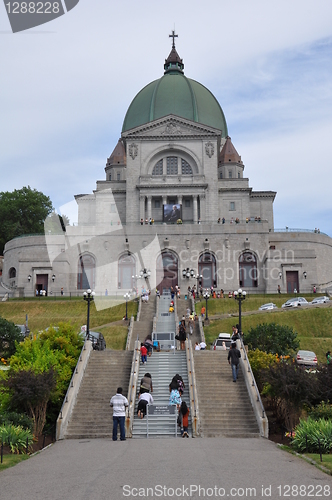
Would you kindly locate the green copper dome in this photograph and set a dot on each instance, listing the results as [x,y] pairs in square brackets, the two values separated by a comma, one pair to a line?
[178,95]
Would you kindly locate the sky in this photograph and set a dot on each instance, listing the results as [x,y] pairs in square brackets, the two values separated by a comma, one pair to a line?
[65,87]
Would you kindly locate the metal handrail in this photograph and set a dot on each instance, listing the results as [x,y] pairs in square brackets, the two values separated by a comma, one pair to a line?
[130,331]
[132,388]
[253,381]
[192,388]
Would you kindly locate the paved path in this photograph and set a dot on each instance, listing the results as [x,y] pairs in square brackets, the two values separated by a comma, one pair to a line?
[99,469]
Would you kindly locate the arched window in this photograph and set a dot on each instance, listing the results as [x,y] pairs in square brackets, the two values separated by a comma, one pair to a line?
[12,273]
[186,168]
[207,269]
[167,272]
[248,270]
[126,270]
[158,168]
[172,165]
[86,272]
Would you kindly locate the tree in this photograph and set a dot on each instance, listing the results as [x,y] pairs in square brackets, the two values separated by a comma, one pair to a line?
[22,211]
[273,339]
[290,387]
[9,335]
[32,391]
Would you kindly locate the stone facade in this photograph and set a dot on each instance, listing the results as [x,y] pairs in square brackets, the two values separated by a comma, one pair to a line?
[225,237]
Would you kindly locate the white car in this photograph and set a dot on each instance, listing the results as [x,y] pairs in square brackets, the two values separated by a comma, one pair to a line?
[268,307]
[295,302]
[320,300]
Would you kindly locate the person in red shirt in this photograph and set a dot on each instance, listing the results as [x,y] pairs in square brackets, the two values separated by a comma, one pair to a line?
[184,414]
[144,353]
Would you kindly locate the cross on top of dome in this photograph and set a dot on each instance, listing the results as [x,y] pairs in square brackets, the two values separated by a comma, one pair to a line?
[173,64]
[173,35]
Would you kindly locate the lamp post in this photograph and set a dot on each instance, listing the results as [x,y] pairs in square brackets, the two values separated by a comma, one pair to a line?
[89,297]
[126,296]
[206,296]
[240,295]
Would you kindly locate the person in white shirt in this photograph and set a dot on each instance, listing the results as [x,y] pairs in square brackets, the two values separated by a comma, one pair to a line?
[119,404]
[202,345]
[143,400]
[197,347]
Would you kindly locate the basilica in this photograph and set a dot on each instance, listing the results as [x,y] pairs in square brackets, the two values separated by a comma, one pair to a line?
[174,207]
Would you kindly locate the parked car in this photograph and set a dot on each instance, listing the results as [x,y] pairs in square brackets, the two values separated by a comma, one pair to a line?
[295,302]
[306,358]
[218,343]
[320,300]
[24,330]
[268,307]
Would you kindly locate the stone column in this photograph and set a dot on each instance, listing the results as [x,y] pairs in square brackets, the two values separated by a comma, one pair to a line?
[149,206]
[195,209]
[142,207]
[202,202]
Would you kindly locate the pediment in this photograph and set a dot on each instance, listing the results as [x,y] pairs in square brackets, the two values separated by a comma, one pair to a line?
[171,127]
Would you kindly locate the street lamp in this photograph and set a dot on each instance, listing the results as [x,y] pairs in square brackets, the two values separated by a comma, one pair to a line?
[240,295]
[89,297]
[145,273]
[187,273]
[206,296]
[126,296]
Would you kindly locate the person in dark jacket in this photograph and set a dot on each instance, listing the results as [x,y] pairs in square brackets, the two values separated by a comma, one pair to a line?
[233,359]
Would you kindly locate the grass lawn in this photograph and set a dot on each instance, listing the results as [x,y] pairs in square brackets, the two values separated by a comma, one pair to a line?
[115,336]
[312,324]
[10,460]
[42,314]
[327,460]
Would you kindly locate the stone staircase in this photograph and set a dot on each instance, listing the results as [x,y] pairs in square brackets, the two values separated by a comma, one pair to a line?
[144,326]
[224,406]
[92,416]
[162,366]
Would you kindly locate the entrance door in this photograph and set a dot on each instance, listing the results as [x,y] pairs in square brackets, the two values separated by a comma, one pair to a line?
[292,281]
[41,283]
[167,272]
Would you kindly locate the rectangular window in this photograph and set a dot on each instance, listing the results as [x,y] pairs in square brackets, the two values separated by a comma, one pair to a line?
[220,174]
[187,203]
[238,175]
[172,165]
[232,205]
[110,177]
[118,176]
[157,204]
[230,174]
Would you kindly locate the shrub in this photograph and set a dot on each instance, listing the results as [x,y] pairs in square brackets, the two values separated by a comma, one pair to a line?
[9,335]
[290,388]
[321,411]
[16,419]
[16,437]
[273,338]
[259,361]
[309,431]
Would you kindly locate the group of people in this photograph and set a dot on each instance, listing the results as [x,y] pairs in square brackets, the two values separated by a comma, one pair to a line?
[176,389]
[149,221]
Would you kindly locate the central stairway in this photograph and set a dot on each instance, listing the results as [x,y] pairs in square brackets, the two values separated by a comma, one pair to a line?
[162,366]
